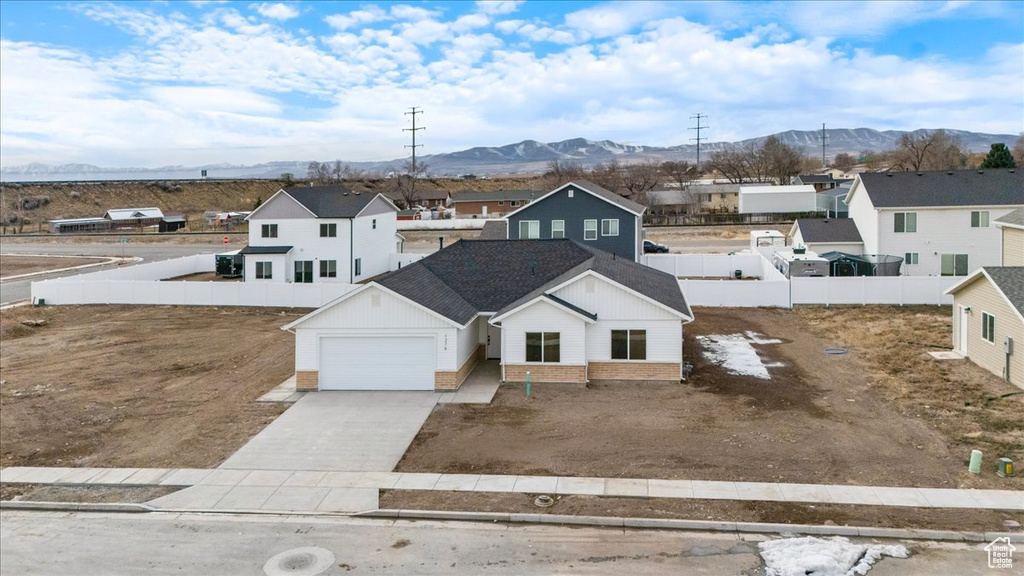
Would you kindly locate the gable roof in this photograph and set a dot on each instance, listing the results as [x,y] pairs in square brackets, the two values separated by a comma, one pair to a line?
[835,230]
[594,190]
[815,178]
[474,276]
[1009,280]
[1014,219]
[494,230]
[330,201]
[133,213]
[494,195]
[991,187]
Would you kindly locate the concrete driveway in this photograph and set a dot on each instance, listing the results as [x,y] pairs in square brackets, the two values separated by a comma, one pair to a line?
[339,431]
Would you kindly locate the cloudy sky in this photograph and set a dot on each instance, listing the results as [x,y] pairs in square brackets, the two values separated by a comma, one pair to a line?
[153,84]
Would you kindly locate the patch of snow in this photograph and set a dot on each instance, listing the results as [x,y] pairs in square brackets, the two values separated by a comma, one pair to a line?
[760,338]
[812,556]
[734,353]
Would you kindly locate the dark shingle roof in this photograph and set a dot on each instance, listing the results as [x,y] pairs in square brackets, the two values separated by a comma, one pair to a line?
[330,201]
[494,230]
[816,178]
[993,187]
[610,196]
[494,195]
[473,276]
[570,306]
[1010,280]
[828,230]
[265,250]
[1015,218]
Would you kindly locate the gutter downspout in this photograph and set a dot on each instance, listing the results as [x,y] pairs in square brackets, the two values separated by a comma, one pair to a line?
[351,251]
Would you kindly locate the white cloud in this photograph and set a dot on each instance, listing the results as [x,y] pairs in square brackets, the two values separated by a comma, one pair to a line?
[614,18]
[365,15]
[412,13]
[277,11]
[498,7]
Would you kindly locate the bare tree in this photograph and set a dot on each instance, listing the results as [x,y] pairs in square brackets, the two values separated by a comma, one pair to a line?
[328,173]
[938,150]
[782,160]
[741,164]
[1018,150]
[843,161]
[561,172]
[608,175]
[679,173]
[404,185]
[640,178]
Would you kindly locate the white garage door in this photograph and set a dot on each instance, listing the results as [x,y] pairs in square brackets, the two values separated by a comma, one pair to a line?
[377,363]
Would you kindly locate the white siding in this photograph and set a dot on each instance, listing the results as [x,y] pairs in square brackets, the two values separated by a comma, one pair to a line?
[823,247]
[281,269]
[543,317]
[773,202]
[942,231]
[374,246]
[303,234]
[609,301]
[864,214]
[468,340]
[664,339]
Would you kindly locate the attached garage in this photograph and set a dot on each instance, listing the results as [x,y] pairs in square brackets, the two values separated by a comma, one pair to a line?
[377,363]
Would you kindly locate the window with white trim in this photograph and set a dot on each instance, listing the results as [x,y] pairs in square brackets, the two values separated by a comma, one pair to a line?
[558,228]
[590,229]
[910,258]
[905,222]
[328,230]
[513,203]
[359,266]
[264,270]
[629,344]
[529,229]
[543,346]
[374,221]
[988,327]
[979,219]
[328,268]
[610,227]
[953,265]
[268,231]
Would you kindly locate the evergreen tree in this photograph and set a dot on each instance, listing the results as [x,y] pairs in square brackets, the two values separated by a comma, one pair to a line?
[999,157]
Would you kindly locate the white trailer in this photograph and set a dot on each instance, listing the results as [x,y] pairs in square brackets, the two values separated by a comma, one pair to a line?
[799,263]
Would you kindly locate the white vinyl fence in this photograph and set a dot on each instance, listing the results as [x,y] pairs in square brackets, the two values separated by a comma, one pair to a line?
[142,284]
[707,280]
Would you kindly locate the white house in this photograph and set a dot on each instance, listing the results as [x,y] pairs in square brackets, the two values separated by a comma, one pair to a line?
[824,235]
[777,199]
[939,222]
[554,308]
[320,234]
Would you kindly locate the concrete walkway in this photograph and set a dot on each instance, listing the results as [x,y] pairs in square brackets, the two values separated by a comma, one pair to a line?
[351,431]
[310,490]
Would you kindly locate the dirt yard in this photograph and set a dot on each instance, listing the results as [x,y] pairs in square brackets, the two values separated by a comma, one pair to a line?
[139,386]
[818,419]
[203,277]
[17,265]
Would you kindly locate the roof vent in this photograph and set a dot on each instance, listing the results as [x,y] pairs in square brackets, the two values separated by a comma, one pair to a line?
[344,193]
[1012,171]
[981,171]
[920,173]
[949,173]
[889,174]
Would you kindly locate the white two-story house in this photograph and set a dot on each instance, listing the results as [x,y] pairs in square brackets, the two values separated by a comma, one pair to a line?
[940,223]
[320,234]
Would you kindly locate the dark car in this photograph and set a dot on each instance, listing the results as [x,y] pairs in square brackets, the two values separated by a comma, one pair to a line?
[654,248]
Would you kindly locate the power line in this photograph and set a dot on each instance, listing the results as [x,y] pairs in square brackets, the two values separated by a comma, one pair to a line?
[698,128]
[413,111]
[824,144]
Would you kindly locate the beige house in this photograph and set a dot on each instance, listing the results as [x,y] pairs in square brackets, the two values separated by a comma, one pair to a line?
[988,320]
[1012,226]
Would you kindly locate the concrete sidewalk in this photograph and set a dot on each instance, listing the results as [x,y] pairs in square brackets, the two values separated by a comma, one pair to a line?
[291,490]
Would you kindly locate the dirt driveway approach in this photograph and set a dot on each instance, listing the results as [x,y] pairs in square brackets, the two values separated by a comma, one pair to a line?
[137,386]
[817,419]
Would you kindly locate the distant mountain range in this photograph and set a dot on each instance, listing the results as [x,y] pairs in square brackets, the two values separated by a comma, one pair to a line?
[528,156]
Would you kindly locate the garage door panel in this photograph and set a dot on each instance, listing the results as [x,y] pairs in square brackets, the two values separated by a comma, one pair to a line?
[377,363]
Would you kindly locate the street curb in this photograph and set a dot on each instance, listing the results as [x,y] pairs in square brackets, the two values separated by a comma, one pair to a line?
[109,260]
[696,525]
[75,506]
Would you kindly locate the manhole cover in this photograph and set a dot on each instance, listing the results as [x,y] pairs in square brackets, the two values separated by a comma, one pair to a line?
[835,351]
[544,501]
[308,561]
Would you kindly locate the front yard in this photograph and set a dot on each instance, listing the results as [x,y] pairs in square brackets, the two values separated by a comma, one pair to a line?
[883,414]
[137,386]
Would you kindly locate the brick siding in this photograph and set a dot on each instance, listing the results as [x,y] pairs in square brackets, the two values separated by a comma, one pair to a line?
[545,373]
[633,371]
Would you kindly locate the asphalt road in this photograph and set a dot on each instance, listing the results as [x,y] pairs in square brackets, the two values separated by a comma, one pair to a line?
[12,291]
[84,543]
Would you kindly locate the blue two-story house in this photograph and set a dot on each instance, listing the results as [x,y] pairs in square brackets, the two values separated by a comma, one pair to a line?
[584,212]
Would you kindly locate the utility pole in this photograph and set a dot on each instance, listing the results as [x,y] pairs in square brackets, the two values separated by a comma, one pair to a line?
[698,128]
[413,111]
[824,141]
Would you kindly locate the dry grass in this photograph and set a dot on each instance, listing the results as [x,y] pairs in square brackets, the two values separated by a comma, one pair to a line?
[959,398]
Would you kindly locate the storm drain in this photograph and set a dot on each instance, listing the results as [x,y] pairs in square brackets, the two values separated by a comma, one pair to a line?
[835,351]
[308,561]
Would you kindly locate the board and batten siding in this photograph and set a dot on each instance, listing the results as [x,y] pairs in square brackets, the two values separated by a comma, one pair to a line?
[573,211]
[942,231]
[1013,246]
[543,317]
[467,341]
[281,207]
[359,316]
[982,297]
[618,309]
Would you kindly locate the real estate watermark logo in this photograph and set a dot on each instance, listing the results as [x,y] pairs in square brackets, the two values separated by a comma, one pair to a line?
[1000,553]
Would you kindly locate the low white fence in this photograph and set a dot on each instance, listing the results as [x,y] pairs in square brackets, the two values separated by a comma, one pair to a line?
[873,290]
[775,290]
[143,284]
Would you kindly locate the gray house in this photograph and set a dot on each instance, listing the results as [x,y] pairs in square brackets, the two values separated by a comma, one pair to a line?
[584,212]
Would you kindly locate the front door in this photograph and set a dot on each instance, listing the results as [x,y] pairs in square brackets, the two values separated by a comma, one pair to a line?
[483,210]
[304,271]
[961,341]
[493,342]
